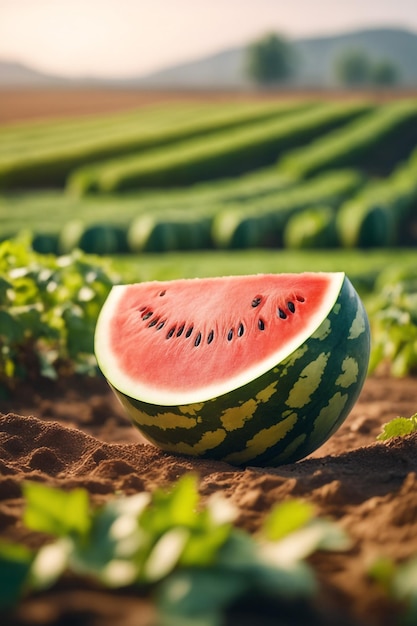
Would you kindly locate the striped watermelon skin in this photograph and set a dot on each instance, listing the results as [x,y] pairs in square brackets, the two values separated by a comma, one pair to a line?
[283,415]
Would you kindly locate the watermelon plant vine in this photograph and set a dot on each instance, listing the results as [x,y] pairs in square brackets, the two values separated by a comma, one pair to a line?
[48,310]
[191,558]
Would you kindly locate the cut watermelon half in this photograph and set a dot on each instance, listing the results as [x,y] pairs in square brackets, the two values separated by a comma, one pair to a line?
[187,341]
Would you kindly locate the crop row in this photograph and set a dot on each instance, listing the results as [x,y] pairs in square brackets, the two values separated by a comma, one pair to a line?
[336,208]
[375,142]
[325,195]
[225,153]
[306,143]
[151,224]
[47,158]
[384,212]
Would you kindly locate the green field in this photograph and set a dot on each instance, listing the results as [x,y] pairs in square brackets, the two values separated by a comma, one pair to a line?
[296,174]
[362,267]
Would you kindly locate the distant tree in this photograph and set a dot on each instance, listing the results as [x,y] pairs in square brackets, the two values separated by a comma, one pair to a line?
[385,74]
[353,68]
[270,60]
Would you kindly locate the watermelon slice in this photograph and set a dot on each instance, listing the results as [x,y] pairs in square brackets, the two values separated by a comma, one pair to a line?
[184,356]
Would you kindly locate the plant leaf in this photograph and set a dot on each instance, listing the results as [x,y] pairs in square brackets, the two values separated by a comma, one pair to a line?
[15,563]
[285,518]
[398,427]
[56,512]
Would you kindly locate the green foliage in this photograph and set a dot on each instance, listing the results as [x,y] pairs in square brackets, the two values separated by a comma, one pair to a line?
[48,158]
[48,310]
[190,557]
[380,214]
[263,222]
[399,427]
[384,74]
[354,68]
[393,314]
[311,228]
[399,581]
[227,153]
[54,511]
[375,143]
[270,60]
[15,564]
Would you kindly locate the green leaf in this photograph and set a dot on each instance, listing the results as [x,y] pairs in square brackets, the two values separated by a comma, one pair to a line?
[11,328]
[319,534]
[166,554]
[176,507]
[15,563]
[404,588]
[200,592]
[398,427]
[50,563]
[203,545]
[383,570]
[287,517]
[56,512]
[5,286]
[113,549]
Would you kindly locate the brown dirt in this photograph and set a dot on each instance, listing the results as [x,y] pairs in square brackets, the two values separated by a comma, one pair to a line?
[74,433]
[18,105]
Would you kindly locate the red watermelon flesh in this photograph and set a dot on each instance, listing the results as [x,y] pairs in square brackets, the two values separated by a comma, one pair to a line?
[189,340]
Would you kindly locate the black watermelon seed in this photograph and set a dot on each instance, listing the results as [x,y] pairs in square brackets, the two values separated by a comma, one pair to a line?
[261,324]
[160,325]
[155,321]
[162,293]
[291,307]
[197,340]
[282,314]
[189,331]
[180,330]
[230,335]
[147,315]
[210,336]
[256,301]
[170,332]
[300,299]
[240,330]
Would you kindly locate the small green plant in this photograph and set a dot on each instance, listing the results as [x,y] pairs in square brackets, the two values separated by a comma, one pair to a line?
[48,310]
[191,558]
[398,427]
[393,314]
[399,581]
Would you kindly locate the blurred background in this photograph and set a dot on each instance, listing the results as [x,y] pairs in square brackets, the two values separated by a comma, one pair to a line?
[184,138]
[133,45]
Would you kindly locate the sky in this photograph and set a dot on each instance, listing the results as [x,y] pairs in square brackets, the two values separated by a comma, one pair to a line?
[123,38]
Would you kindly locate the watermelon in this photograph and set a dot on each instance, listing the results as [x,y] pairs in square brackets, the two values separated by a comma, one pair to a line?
[256,370]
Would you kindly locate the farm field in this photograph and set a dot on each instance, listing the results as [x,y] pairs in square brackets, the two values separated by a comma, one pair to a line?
[331,187]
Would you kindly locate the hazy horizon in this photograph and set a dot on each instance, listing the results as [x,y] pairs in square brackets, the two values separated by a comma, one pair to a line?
[121,38]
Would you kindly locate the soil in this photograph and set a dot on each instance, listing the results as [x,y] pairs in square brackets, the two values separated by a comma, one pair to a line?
[73,432]
[18,105]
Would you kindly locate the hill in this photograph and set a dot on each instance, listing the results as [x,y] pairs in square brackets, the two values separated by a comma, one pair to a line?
[14,74]
[316,61]
[226,69]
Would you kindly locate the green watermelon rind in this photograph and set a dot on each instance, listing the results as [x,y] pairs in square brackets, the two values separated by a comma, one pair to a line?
[284,414]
